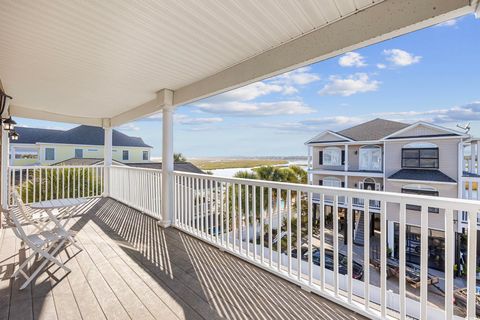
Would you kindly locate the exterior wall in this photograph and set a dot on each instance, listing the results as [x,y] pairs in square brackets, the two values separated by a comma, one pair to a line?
[448,160]
[65,152]
[353,157]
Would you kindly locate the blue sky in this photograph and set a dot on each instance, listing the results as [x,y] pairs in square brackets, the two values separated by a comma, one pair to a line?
[431,75]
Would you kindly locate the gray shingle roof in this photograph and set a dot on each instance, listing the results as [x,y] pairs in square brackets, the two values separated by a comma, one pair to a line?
[84,135]
[421,175]
[372,130]
[177,166]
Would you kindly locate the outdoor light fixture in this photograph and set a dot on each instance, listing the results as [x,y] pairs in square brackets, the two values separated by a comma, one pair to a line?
[8,123]
[13,135]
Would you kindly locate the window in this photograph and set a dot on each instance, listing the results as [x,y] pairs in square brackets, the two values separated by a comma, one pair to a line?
[421,190]
[26,154]
[371,158]
[332,182]
[145,155]
[125,155]
[49,154]
[78,153]
[332,156]
[420,155]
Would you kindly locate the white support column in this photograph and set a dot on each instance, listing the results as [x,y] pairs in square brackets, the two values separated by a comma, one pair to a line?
[345,168]
[477,158]
[309,165]
[107,156]
[167,167]
[5,155]
[461,162]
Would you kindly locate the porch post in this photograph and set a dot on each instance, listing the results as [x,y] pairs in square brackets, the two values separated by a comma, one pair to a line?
[167,166]
[165,99]
[4,168]
[107,156]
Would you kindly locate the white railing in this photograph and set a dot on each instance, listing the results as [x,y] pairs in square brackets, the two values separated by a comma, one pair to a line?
[42,183]
[242,216]
[139,188]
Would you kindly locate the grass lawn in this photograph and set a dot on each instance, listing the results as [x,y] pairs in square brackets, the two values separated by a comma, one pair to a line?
[235,163]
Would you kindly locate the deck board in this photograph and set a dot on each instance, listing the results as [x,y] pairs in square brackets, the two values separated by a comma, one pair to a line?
[132,269]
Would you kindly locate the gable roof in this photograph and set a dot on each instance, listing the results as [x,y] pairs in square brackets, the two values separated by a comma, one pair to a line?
[433,130]
[372,130]
[82,135]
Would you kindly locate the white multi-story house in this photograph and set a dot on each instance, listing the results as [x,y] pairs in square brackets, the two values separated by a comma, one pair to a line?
[419,158]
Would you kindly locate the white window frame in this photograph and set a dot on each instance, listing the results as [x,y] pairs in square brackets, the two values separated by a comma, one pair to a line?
[332,182]
[335,156]
[369,150]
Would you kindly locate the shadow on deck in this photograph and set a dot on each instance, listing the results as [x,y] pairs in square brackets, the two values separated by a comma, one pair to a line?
[132,269]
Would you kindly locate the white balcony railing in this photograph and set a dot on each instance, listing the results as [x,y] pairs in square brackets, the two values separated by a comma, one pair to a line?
[43,183]
[273,226]
[242,217]
[137,187]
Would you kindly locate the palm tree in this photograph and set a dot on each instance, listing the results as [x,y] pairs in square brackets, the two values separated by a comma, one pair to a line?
[178,157]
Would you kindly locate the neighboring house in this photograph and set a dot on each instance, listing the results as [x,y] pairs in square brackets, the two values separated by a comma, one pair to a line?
[46,147]
[383,155]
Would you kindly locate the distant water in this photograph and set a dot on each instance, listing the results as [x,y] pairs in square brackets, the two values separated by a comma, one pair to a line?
[229,173]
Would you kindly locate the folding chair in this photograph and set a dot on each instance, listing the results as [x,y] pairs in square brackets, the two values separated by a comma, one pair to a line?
[44,243]
[41,221]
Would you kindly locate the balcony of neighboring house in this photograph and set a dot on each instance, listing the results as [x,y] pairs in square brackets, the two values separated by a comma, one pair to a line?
[161,243]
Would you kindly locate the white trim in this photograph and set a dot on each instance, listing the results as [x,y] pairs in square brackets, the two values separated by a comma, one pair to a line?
[318,136]
[347,173]
[426,124]
[30,113]
[421,181]
[46,144]
[424,138]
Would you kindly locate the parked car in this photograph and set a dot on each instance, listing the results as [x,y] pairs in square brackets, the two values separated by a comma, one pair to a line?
[357,270]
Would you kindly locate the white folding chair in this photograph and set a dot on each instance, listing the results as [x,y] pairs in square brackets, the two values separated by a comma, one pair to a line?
[41,220]
[45,243]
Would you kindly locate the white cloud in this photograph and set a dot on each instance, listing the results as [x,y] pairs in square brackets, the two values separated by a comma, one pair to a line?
[381,66]
[448,23]
[198,121]
[129,127]
[455,114]
[352,59]
[248,109]
[401,58]
[352,84]
[301,76]
[248,92]
[313,125]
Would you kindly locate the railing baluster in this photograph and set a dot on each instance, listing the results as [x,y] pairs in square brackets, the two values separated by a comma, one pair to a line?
[240,219]
[21,184]
[449,262]
[270,222]
[335,244]
[423,262]
[216,183]
[212,211]
[322,241]
[247,218]
[402,259]
[227,220]
[254,221]
[262,225]
[472,265]
[299,235]
[51,184]
[234,218]
[350,219]
[279,230]
[27,185]
[222,230]
[310,238]
[383,259]
[366,252]
[289,231]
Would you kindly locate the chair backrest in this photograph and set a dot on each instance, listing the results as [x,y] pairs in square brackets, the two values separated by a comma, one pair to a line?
[17,227]
[26,214]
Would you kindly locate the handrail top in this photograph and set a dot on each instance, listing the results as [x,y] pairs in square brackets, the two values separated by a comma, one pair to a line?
[54,167]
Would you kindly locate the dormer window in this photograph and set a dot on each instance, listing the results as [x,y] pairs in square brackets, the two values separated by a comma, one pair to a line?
[420,155]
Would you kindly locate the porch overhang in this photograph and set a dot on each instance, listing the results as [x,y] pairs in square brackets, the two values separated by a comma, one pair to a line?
[55,70]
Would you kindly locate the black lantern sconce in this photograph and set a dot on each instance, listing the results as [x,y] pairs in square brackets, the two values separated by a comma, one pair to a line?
[8,123]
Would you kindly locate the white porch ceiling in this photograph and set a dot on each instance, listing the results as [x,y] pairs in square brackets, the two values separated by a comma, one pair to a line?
[81,61]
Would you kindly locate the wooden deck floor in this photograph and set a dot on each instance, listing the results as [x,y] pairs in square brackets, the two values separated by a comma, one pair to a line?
[132,269]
